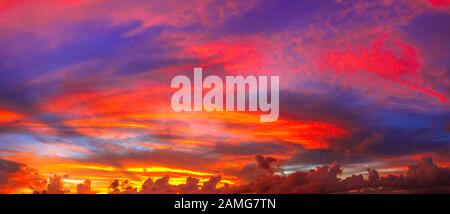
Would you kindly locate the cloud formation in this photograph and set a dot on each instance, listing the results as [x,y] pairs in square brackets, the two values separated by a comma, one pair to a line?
[424,176]
[85,92]
[15,176]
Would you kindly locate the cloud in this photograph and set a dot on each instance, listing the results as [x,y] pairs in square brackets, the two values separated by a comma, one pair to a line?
[94,90]
[439,3]
[377,60]
[17,178]
[85,187]
[56,185]
[265,162]
[191,186]
[162,185]
[211,185]
[248,148]
[325,179]
[402,69]
[424,176]
[117,187]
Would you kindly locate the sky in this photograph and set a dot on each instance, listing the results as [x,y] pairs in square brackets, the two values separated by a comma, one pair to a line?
[85,96]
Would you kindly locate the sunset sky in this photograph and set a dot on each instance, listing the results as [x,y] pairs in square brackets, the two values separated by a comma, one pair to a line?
[85,91]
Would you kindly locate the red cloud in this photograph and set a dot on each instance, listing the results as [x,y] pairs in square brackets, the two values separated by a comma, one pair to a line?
[234,57]
[401,67]
[376,60]
[439,3]
[15,177]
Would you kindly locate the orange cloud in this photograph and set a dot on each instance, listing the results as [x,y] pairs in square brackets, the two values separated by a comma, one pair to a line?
[9,116]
